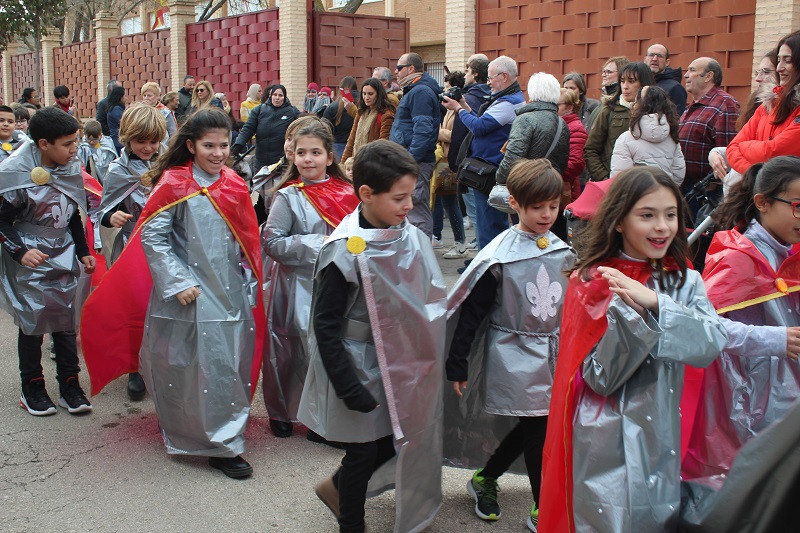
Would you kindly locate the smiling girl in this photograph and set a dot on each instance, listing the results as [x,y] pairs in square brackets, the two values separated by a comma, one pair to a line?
[633,316]
[308,204]
[752,278]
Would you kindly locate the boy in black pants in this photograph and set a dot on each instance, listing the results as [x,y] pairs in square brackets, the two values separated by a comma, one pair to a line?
[43,248]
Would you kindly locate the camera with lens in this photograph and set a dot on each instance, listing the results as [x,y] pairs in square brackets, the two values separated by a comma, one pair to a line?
[454,93]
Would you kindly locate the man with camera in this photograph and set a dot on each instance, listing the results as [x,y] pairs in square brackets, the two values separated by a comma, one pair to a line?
[489,127]
[416,128]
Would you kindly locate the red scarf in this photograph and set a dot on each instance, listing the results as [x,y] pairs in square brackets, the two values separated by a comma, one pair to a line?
[583,325]
[114,314]
[333,199]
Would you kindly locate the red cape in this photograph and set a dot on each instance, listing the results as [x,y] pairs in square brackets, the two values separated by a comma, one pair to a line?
[94,189]
[583,325]
[738,275]
[113,316]
[333,199]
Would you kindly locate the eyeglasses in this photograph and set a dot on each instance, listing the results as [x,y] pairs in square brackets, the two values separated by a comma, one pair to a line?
[795,205]
[493,77]
[607,72]
[401,66]
[654,54]
[763,71]
[200,90]
[23,121]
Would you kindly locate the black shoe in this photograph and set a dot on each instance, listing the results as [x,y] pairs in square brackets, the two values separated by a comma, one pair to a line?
[319,439]
[35,399]
[461,270]
[234,467]
[72,397]
[280,429]
[136,389]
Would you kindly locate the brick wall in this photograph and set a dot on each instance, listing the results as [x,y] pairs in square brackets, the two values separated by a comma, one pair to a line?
[353,45]
[2,91]
[427,18]
[558,36]
[23,68]
[234,52]
[75,66]
[138,58]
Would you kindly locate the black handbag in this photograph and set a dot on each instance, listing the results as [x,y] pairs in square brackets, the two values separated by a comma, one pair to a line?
[477,173]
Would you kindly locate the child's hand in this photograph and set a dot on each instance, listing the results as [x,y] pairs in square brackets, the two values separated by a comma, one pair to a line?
[459,386]
[119,218]
[792,342]
[33,258]
[89,263]
[187,296]
[631,291]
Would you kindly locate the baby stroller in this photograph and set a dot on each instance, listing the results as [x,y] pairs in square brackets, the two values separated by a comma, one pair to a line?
[579,212]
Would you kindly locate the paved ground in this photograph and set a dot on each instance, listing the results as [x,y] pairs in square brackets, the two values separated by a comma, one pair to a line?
[108,471]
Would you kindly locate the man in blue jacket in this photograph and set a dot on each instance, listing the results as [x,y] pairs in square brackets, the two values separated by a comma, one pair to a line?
[416,128]
[490,126]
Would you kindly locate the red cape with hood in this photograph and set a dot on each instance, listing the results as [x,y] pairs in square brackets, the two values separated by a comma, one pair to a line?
[113,317]
[333,199]
[583,325]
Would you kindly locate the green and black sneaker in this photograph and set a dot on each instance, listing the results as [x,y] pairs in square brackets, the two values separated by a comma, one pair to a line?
[533,519]
[484,490]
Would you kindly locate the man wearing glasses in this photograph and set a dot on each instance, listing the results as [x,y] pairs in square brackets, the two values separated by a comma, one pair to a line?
[416,128]
[667,78]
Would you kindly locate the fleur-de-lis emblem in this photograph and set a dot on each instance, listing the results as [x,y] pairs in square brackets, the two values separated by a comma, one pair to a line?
[62,213]
[543,295]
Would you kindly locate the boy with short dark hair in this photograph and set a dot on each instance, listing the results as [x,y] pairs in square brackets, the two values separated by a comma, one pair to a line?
[96,151]
[63,102]
[374,381]
[10,139]
[22,117]
[43,247]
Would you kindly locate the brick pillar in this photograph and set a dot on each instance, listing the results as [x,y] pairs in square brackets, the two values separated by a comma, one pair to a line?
[8,87]
[388,8]
[460,25]
[181,14]
[144,17]
[49,42]
[105,27]
[774,19]
[293,31]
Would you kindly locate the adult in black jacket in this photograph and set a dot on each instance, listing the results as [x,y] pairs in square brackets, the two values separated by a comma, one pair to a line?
[667,78]
[268,122]
[102,108]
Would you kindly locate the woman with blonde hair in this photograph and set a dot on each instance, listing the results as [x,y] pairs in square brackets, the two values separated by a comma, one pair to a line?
[203,97]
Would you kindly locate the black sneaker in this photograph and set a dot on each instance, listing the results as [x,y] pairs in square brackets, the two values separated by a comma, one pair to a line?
[484,490]
[72,397]
[136,388]
[35,399]
[233,467]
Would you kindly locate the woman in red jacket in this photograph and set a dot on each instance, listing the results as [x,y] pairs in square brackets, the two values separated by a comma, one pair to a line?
[568,106]
[777,132]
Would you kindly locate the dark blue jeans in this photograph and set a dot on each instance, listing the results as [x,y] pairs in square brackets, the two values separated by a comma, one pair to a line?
[491,222]
[448,203]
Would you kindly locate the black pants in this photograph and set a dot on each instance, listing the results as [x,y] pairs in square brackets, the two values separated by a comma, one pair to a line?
[361,460]
[526,438]
[29,348]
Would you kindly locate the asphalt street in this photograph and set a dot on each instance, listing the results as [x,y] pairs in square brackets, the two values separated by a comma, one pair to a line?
[109,471]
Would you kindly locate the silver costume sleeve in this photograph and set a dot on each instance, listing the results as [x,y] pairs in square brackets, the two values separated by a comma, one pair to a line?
[748,340]
[693,333]
[250,280]
[170,274]
[622,349]
[281,245]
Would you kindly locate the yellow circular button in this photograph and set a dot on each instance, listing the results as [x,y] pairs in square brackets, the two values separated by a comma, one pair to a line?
[356,245]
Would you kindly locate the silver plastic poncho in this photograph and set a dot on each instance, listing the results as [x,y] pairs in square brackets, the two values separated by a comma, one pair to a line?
[626,424]
[99,157]
[42,299]
[7,148]
[752,384]
[394,333]
[198,355]
[511,367]
[291,238]
[122,185]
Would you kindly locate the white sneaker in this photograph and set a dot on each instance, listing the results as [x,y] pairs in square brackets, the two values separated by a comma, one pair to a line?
[436,243]
[473,244]
[467,223]
[457,251]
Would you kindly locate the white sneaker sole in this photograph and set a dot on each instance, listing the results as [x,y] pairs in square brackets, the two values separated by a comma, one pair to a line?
[83,408]
[24,405]
[531,525]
